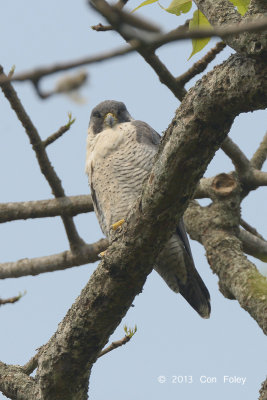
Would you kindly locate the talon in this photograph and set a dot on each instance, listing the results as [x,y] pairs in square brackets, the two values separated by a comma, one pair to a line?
[101,255]
[117,224]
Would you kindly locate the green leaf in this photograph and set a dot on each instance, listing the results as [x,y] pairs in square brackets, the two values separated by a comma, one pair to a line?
[197,22]
[178,7]
[242,5]
[145,3]
[129,331]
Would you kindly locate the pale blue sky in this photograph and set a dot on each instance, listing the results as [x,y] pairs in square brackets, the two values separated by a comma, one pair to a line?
[172,339]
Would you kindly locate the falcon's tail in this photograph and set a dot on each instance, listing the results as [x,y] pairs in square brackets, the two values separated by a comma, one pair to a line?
[176,266]
[195,291]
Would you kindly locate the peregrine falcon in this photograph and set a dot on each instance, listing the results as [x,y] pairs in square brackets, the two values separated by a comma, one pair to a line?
[120,152]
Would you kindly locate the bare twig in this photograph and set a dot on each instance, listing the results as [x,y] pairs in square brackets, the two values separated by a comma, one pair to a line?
[72,206]
[164,74]
[115,345]
[119,16]
[47,169]
[253,245]
[238,158]
[52,138]
[101,28]
[260,178]
[201,65]
[31,365]
[67,84]
[11,300]
[129,334]
[260,155]
[250,229]
[39,73]
[88,253]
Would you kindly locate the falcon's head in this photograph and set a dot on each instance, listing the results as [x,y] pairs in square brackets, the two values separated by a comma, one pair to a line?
[108,114]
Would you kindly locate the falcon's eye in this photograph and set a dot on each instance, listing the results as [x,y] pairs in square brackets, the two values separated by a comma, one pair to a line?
[97,114]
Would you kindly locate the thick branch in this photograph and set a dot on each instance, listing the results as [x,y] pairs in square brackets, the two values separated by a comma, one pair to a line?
[88,253]
[200,125]
[215,227]
[72,206]
[263,390]
[42,158]
[15,384]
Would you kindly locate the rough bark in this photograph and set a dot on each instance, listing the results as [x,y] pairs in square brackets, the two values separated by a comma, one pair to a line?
[216,228]
[15,384]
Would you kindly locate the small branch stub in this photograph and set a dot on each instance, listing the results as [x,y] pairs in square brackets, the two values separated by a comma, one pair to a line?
[224,184]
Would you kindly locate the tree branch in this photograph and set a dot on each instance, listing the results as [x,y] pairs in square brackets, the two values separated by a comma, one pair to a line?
[215,227]
[44,163]
[250,229]
[115,345]
[240,161]
[88,253]
[15,384]
[38,73]
[253,245]
[263,390]
[31,365]
[11,300]
[249,177]
[71,206]
[260,155]
[260,178]
[63,129]
[201,64]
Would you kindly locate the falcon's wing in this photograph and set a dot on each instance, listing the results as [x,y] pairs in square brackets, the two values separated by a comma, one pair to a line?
[145,134]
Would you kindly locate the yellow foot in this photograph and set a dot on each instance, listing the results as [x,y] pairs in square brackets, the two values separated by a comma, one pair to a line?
[117,224]
[101,255]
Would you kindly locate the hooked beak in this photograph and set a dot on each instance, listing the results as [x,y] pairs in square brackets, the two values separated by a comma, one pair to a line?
[110,120]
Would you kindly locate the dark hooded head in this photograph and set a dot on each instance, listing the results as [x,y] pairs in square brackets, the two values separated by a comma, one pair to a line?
[108,114]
